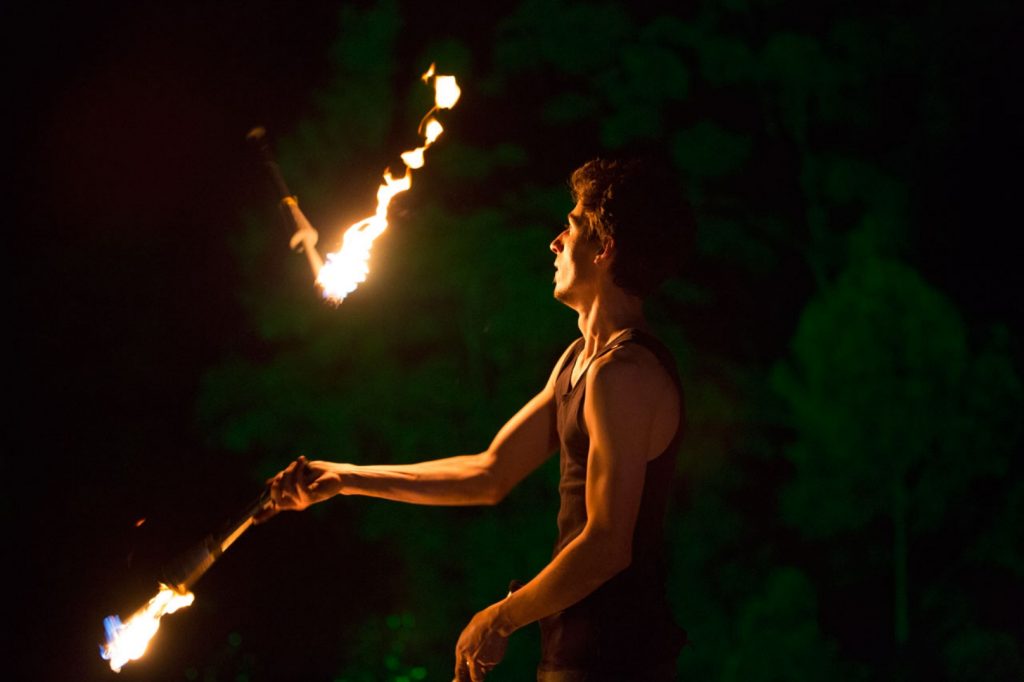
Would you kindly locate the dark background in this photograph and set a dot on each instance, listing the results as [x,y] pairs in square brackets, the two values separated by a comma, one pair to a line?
[852,169]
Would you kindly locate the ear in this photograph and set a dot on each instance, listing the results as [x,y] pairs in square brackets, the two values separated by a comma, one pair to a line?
[605,253]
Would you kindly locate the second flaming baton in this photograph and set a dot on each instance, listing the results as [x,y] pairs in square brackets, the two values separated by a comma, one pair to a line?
[343,270]
[128,641]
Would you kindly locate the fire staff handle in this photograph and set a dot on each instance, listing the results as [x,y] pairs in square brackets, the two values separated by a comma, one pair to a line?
[304,237]
[190,566]
[258,137]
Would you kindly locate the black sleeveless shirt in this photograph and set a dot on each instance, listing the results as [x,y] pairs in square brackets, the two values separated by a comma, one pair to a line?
[625,626]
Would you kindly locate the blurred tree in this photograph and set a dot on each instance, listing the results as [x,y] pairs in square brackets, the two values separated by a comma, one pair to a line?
[892,410]
[977,655]
[778,637]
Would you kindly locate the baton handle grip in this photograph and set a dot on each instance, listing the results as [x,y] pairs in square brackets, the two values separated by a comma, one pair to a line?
[189,567]
[258,137]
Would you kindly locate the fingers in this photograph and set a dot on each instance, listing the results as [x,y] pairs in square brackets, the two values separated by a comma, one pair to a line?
[291,477]
[461,670]
[476,671]
[287,490]
[461,664]
[468,669]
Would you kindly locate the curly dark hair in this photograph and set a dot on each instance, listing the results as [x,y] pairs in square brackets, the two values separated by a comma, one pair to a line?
[639,204]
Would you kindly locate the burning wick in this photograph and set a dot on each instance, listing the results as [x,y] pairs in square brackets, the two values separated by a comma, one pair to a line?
[347,267]
[128,641]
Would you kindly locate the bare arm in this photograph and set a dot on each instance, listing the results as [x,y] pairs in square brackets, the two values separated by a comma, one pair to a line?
[630,409]
[521,445]
[626,418]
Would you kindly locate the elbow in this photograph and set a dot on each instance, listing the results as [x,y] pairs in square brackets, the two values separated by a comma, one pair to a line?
[621,559]
[494,488]
[615,553]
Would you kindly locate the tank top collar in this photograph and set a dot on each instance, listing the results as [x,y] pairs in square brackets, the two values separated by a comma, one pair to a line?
[626,333]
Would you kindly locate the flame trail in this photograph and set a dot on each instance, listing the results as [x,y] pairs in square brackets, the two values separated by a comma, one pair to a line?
[347,267]
[128,641]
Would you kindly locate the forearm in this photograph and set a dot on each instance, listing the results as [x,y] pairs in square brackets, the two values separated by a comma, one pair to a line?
[585,564]
[461,480]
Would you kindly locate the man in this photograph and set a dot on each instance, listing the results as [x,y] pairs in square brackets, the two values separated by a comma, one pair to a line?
[613,407]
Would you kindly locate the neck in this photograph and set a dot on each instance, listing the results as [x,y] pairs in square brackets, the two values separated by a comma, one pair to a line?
[606,315]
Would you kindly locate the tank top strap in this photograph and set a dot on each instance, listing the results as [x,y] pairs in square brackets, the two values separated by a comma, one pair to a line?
[574,350]
[563,379]
[651,343]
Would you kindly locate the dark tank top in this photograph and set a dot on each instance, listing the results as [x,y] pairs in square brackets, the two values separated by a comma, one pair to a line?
[625,626]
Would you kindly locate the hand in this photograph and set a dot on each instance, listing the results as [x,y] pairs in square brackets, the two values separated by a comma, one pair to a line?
[301,484]
[481,645]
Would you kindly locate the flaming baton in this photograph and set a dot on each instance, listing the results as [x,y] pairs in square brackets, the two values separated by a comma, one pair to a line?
[344,269]
[128,641]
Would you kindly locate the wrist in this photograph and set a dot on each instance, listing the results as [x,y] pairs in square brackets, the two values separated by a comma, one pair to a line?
[504,621]
[343,475]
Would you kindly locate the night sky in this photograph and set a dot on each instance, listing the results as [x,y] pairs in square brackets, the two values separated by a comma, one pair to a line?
[135,196]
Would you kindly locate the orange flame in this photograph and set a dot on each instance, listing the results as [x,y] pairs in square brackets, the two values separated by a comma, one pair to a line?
[128,641]
[347,267]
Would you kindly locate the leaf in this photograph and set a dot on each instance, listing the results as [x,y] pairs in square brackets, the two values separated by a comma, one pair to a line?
[708,150]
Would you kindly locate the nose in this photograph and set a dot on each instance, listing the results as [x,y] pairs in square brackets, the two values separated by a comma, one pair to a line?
[556,243]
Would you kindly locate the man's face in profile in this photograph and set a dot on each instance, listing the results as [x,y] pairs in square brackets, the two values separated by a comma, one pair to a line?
[574,258]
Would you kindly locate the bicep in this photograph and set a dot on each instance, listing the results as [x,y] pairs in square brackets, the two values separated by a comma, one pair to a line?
[525,441]
[528,438]
[618,414]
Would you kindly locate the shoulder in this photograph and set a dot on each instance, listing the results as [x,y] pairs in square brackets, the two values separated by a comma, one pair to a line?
[630,371]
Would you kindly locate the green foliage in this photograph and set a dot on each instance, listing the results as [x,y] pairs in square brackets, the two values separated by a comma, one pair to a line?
[710,151]
[724,59]
[393,636]
[887,403]
[465,164]
[625,76]
[736,242]
[881,395]
[894,415]
[977,655]
[576,38]
[355,109]
[703,544]
[999,543]
[778,637]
